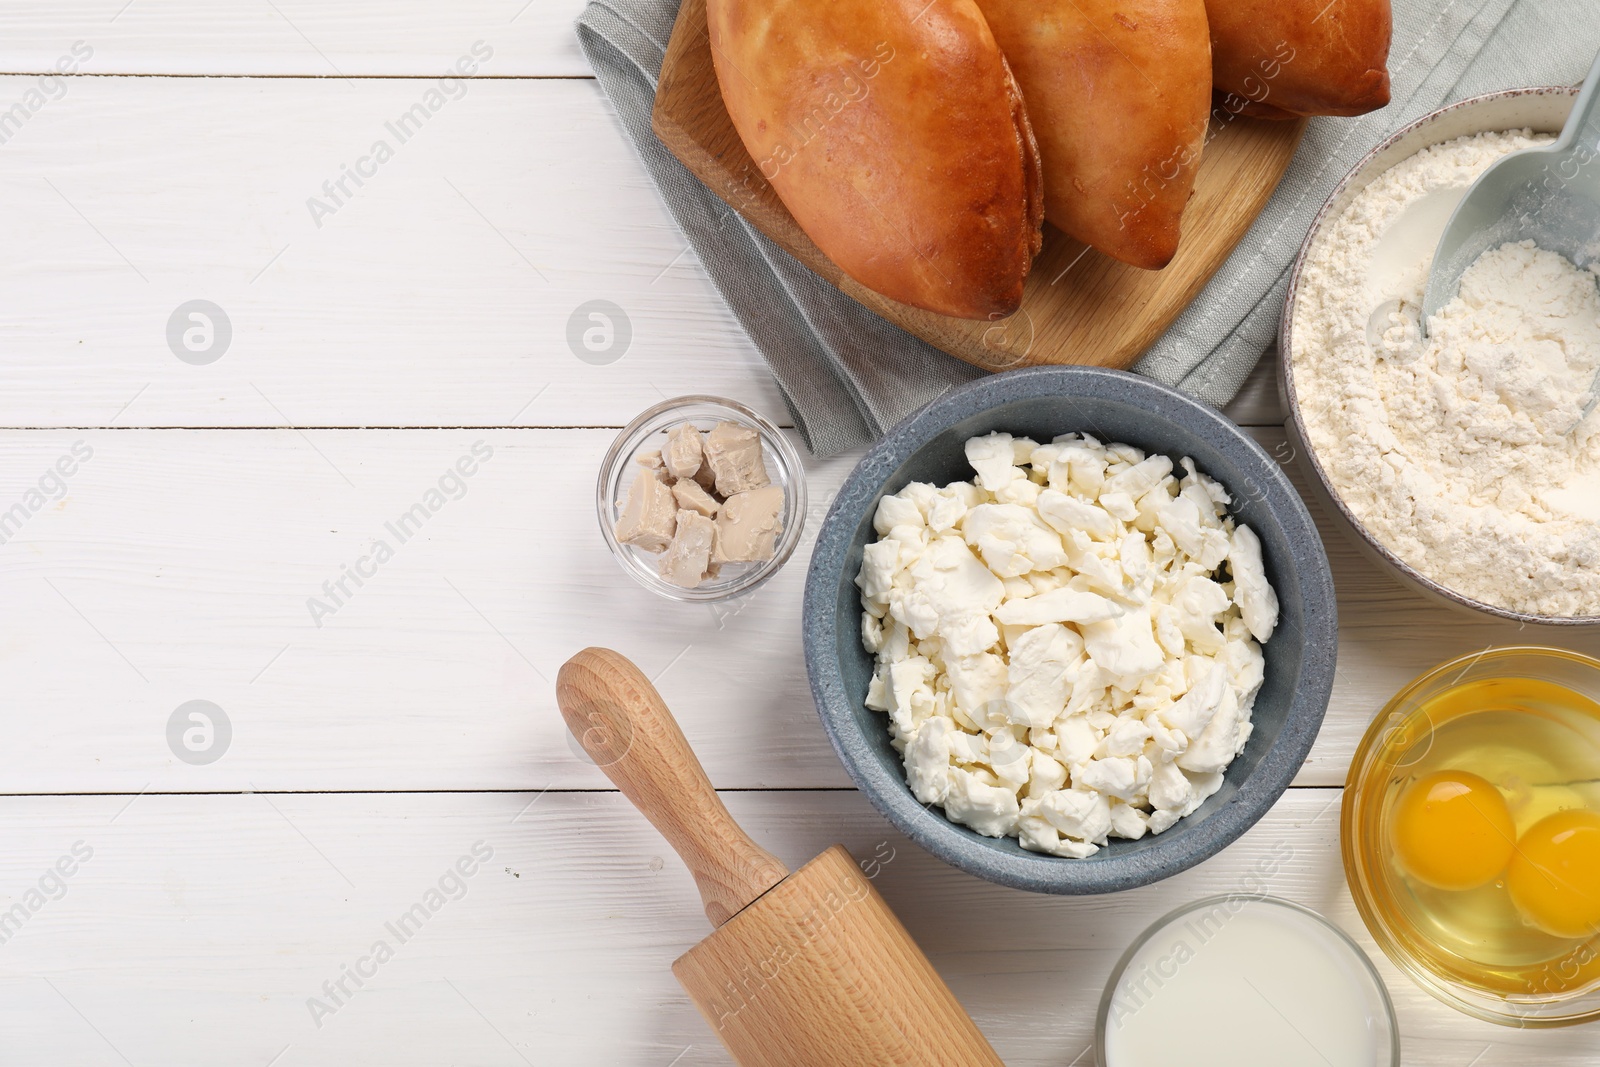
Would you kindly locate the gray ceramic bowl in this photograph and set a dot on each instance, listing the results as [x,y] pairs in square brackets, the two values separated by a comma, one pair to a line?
[1114,406]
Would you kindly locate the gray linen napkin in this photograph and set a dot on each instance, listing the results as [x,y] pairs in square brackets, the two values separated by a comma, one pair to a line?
[847,375]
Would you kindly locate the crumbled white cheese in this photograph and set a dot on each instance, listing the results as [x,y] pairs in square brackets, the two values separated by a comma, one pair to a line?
[1068,648]
[1012,539]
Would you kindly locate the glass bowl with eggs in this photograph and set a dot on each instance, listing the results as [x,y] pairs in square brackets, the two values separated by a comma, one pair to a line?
[1471,834]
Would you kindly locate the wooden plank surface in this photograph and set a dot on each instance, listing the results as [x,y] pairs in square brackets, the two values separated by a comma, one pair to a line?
[178,563]
[183,565]
[309,38]
[439,293]
[396,310]
[201,926]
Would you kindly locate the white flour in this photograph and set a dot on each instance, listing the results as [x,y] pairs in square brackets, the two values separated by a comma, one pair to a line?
[1458,451]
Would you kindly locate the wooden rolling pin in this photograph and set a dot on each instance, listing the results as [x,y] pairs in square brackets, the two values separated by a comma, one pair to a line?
[809,969]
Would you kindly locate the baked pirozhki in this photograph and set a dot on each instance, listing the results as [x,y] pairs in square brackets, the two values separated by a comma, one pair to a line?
[1281,59]
[1118,92]
[895,134]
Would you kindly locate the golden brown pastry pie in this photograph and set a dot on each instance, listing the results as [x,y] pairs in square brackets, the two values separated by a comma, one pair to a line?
[1118,92]
[895,134]
[1283,58]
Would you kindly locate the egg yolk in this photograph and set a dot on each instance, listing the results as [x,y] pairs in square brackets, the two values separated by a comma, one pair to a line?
[1452,830]
[1554,878]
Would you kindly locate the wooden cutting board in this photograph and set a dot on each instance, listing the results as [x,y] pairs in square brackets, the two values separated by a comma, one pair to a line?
[1078,307]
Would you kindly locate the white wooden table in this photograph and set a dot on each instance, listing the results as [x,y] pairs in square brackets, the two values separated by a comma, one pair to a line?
[374,745]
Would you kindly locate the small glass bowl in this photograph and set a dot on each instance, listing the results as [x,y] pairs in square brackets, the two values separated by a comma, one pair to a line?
[1399,738]
[649,431]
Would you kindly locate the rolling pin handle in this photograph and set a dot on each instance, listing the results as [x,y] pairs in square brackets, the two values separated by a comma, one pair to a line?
[626,728]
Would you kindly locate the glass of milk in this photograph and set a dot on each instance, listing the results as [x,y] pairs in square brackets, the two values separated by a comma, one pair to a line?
[1243,980]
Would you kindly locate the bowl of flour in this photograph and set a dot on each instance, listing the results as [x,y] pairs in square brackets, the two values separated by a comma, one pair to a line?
[1461,456]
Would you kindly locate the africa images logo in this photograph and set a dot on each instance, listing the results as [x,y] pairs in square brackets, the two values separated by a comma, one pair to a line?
[451,885]
[49,87]
[340,190]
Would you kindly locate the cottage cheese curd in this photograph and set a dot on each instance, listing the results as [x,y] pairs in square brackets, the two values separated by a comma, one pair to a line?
[1069,646]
